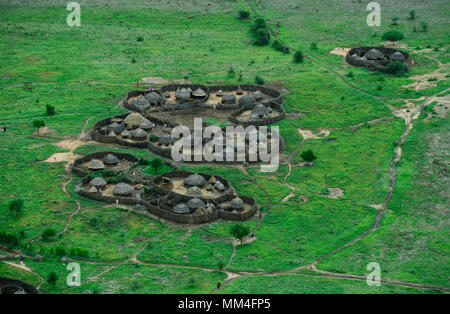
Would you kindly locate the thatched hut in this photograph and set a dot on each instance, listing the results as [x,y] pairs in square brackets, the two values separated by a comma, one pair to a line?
[133,120]
[95,165]
[397,56]
[239,91]
[195,203]
[183,94]
[247,99]
[141,103]
[110,159]
[374,54]
[180,209]
[98,183]
[198,93]
[123,189]
[194,191]
[228,99]
[237,203]
[154,99]
[194,180]
[138,134]
[115,127]
[146,125]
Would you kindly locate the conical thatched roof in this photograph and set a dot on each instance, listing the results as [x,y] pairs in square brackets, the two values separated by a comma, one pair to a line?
[194,180]
[212,180]
[96,164]
[183,94]
[228,98]
[98,182]
[141,102]
[219,93]
[167,94]
[110,159]
[133,120]
[92,190]
[125,134]
[260,110]
[180,209]
[123,189]
[195,203]
[239,91]
[138,133]
[194,192]
[247,99]
[154,98]
[258,95]
[115,127]
[237,203]
[374,54]
[397,56]
[146,125]
[112,133]
[219,186]
[199,93]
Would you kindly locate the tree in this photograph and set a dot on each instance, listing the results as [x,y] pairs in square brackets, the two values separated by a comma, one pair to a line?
[48,234]
[392,36]
[52,278]
[259,23]
[412,15]
[50,109]
[298,56]
[308,156]
[239,231]
[231,72]
[156,163]
[38,124]
[16,206]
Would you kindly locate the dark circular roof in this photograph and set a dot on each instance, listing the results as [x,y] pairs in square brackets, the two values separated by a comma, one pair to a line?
[123,189]
[110,159]
[195,180]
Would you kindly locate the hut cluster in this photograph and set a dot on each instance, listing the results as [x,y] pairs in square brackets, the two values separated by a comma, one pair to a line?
[376,55]
[134,127]
[377,58]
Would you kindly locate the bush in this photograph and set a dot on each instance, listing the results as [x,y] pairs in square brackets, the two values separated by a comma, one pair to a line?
[156,163]
[140,38]
[133,60]
[396,68]
[262,37]
[412,15]
[48,234]
[395,20]
[424,26]
[231,72]
[259,80]
[50,109]
[243,14]
[278,45]
[10,239]
[260,31]
[94,221]
[350,74]
[16,206]
[298,56]
[308,156]
[314,46]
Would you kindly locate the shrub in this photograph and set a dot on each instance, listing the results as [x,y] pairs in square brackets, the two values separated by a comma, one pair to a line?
[48,234]
[94,221]
[350,74]
[424,26]
[280,46]
[262,37]
[231,72]
[60,251]
[260,31]
[395,20]
[308,156]
[314,46]
[16,206]
[298,56]
[239,231]
[396,68]
[140,38]
[133,60]
[392,36]
[52,278]
[9,239]
[259,80]
[50,109]
[412,15]
[243,14]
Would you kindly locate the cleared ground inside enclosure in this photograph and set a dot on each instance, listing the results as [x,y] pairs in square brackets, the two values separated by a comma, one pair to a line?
[381,143]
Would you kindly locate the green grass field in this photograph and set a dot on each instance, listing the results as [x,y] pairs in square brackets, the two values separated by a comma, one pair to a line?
[85,71]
